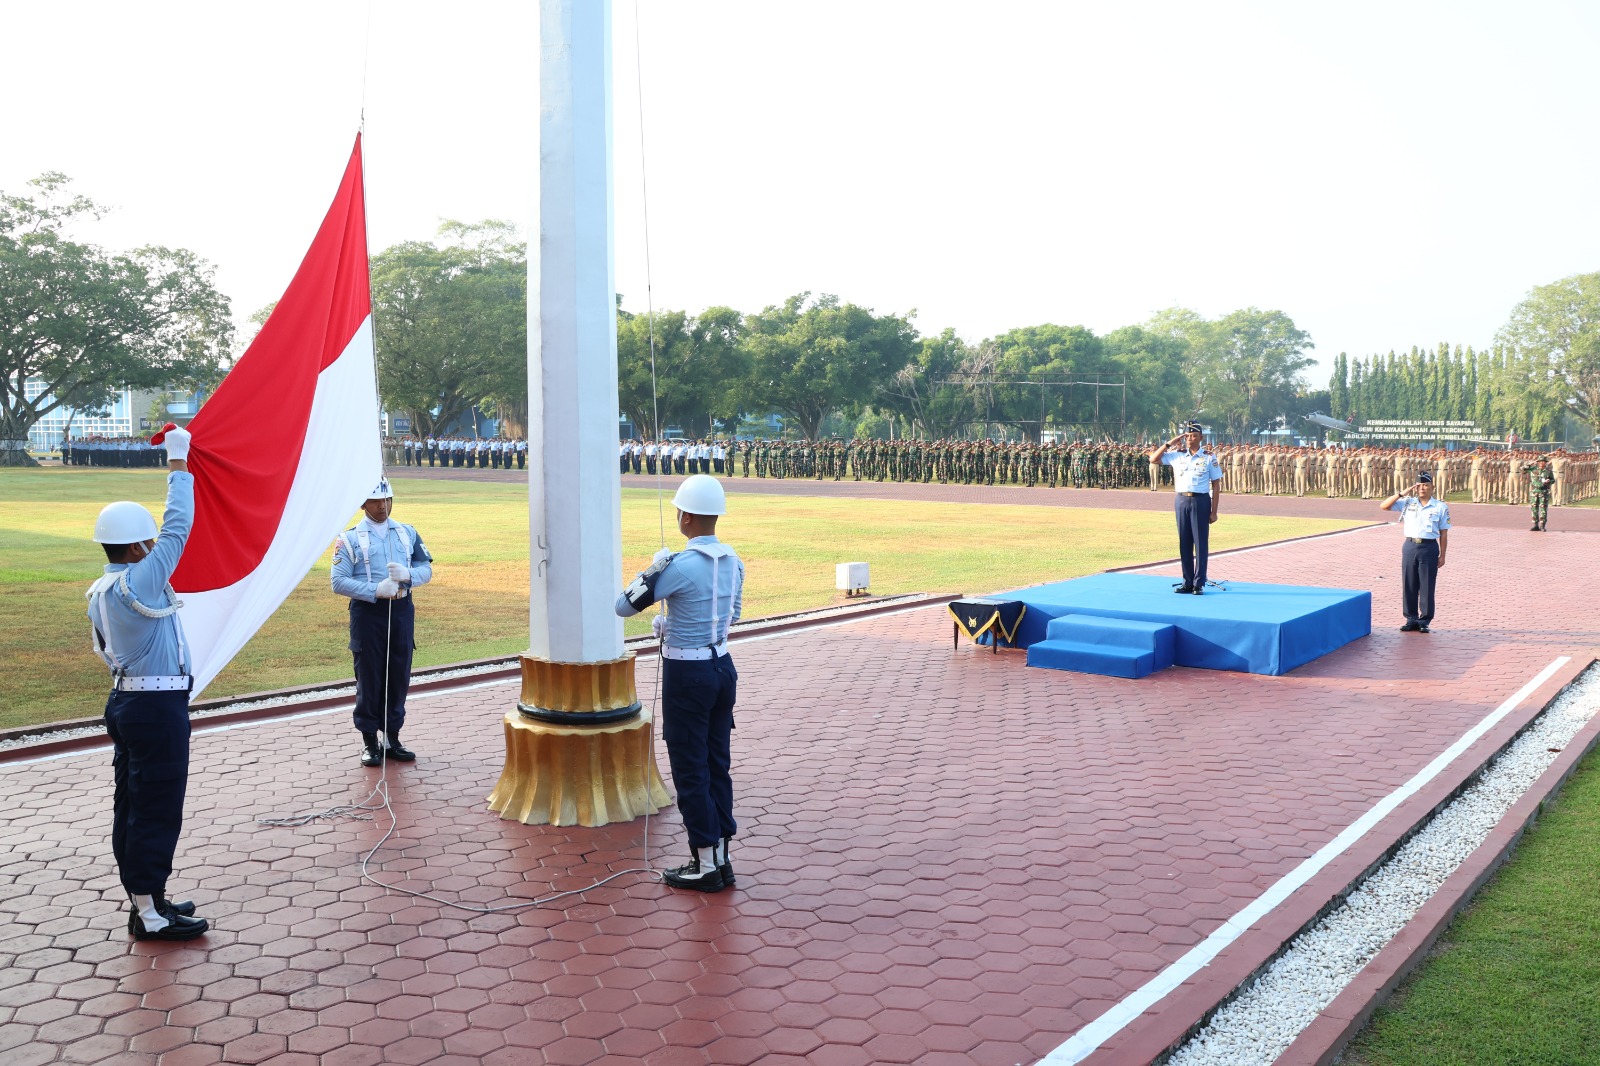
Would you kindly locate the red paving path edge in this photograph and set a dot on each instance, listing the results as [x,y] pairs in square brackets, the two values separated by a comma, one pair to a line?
[1325,1038]
[1167,1024]
[1178,1015]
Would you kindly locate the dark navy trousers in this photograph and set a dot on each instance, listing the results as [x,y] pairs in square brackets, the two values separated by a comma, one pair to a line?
[1194,535]
[697,723]
[1419,572]
[150,765]
[382,643]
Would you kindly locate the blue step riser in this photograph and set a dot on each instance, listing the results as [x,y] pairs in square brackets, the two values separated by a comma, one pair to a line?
[1090,659]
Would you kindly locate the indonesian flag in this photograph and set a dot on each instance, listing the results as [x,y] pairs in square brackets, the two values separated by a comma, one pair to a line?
[287,448]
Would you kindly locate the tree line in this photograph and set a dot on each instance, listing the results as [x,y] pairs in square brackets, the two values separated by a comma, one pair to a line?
[1543,368]
[451,332]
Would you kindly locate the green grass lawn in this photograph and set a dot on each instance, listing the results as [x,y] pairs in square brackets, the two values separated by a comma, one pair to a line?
[1515,980]
[477,605]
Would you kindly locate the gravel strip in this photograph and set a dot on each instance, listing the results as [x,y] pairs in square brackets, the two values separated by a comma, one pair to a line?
[1261,1023]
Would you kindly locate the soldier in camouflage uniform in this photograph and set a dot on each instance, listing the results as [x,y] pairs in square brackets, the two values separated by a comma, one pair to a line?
[1080,463]
[1540,482]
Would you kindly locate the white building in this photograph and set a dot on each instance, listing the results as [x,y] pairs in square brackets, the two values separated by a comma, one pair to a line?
[127,415]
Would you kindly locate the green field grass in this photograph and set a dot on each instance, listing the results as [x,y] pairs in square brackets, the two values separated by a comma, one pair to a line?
[477,605]
[1515,980]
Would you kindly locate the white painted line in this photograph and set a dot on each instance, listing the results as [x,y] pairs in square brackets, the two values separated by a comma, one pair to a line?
[201,729]
[1089,1039]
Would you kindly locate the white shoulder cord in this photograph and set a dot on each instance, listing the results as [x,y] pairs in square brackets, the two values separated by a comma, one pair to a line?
[156,613]
[149,612]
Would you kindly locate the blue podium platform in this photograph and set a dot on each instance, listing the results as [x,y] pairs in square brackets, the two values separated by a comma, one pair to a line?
[1258,629]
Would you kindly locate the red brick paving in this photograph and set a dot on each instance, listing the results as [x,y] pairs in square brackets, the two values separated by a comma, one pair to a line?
[944,857]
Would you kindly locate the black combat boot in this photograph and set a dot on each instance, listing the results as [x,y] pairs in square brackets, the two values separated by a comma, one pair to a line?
[700,873]
[398,751]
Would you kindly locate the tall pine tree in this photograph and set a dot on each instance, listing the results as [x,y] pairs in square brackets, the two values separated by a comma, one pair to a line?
[1339,387]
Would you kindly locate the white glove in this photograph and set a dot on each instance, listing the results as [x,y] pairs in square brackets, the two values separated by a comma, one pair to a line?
[399,574]
[177,444]
[388,589]
[661,556]
[658,625]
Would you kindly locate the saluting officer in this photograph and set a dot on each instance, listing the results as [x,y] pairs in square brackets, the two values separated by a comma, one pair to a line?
[1426,522]
[1195,474]
[377,563]
[702,588]
[137,634]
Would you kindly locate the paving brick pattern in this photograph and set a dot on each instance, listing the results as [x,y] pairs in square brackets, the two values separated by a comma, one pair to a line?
[945,857]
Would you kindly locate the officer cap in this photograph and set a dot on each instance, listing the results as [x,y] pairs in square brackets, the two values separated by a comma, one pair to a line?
[1425,478]
[1192,427]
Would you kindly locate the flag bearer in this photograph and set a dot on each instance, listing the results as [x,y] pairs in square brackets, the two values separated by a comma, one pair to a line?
[377,563]
[134,614]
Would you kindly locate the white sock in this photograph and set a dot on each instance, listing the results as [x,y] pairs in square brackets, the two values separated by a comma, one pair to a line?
[707,857]
[153,920]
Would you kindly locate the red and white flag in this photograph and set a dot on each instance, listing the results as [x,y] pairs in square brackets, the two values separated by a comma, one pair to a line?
[287,448]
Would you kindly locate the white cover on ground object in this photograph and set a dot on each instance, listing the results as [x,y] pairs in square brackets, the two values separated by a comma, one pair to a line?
[851,577]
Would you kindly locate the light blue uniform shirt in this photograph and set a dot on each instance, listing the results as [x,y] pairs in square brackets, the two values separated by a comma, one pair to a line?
[1425,520]
[150,647]
[685,588]
[1192,473]
[357,575]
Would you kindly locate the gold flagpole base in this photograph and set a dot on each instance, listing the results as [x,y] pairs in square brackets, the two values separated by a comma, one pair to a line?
[579,748]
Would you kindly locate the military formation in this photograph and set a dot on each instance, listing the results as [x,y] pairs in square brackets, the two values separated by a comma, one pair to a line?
[124,452]
[463,453]
[1369,473]
[1078,464]
[675,455]
[1489,476]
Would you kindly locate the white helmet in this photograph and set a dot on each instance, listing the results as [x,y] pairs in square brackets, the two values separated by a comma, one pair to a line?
[701,494]
[382,492]
[124,522]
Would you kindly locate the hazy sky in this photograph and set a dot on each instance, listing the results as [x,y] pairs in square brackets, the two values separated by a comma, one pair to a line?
[1388,174]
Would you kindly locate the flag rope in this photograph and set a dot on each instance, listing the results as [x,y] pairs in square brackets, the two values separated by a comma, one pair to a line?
[379,799]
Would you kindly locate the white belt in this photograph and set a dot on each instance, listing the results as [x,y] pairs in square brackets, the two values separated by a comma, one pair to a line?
[693,654]
[170,683]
